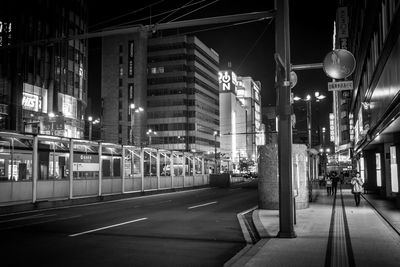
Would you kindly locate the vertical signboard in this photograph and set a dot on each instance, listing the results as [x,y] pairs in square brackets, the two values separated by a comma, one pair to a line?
[131,55]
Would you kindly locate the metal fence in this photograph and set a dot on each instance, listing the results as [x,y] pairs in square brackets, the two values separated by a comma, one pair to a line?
[39,167]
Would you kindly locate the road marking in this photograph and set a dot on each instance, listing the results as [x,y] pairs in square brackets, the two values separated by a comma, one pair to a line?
[202,205]
[105,202]
[106,227]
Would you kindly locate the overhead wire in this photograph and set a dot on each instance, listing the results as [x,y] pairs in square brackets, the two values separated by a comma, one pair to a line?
[224,26]
[184,15]
[176,10]
[130,23]
[253,46]
[129,13]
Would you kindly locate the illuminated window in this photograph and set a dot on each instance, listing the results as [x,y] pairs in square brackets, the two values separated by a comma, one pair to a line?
[393,170]
[378,170]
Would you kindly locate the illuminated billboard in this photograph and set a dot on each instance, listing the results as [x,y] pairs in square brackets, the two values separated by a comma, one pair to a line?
[227,81]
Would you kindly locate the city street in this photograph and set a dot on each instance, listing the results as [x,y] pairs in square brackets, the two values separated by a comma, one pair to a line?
[189,228]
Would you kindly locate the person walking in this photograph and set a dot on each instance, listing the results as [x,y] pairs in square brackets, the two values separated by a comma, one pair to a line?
[357,188]
[328,182]
[335,180]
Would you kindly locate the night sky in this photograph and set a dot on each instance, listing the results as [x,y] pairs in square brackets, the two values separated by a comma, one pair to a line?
[250,47]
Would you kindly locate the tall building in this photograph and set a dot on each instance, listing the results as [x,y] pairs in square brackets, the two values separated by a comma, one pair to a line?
[173,80]
[370,30]
[43,79]
[241,124]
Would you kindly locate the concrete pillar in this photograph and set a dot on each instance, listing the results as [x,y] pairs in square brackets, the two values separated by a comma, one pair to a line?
[299,151]
[268,183]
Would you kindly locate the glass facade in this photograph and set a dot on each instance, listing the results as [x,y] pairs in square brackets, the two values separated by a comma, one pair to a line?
[40,74]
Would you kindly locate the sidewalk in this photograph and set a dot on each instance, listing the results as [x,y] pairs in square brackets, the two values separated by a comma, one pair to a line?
[331,232]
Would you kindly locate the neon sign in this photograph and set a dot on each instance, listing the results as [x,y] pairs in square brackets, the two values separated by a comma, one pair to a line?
[30,102]
[227,80]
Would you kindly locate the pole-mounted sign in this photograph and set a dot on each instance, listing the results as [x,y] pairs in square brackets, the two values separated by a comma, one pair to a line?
[339,64]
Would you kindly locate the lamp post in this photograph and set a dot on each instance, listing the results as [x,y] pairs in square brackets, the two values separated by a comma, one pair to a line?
[90,119]
[308,99]
[133,110]
[150,133]
[91,122]
[215,150]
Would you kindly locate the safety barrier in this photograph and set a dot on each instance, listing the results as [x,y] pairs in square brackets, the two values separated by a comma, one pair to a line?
[40,167]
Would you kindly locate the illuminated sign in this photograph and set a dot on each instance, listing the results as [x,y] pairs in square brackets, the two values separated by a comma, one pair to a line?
[227,81]
[332,127]
[30,102]
[86,158]
[340,86]
[351,124]
[131,57]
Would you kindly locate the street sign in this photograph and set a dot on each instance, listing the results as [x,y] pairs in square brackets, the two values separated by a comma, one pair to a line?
[340,86]
[293,79]
[339,64]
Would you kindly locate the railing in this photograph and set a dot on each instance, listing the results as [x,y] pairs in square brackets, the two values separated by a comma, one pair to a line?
[39,167]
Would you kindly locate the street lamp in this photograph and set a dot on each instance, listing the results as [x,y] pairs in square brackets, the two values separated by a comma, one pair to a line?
[308,100]
[133,110]
[91,122]
[215,150]
[51,119]
[150,133]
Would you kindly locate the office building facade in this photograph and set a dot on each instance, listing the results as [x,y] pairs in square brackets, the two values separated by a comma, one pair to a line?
[241,124]
[173,80]
[43,78]
[374,104]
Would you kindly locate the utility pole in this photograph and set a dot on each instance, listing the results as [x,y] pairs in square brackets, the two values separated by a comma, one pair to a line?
[309,131]
[283,68]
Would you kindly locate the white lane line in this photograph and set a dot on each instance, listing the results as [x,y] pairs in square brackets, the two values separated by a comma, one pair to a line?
[106,227]
[202,205]
[106,202]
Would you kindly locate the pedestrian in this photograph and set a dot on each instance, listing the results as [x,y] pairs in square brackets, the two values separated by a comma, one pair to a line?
[335,180]
[328,183]
[357,183]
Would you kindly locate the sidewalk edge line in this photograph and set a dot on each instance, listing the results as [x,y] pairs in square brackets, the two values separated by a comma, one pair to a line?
[381,214]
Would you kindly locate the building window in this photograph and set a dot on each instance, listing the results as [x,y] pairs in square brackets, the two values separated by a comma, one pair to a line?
[393,170]
[378,169]
[121,71]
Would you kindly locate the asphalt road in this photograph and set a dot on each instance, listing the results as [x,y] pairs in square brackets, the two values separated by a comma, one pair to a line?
[189,228]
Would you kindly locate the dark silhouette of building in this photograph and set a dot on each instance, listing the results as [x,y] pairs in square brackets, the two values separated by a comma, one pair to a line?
[43,73]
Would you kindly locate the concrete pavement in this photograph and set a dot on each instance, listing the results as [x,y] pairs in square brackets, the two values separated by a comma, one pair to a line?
[331,232]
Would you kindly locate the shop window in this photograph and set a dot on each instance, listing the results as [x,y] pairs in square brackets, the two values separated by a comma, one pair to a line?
[393,170]
[378,169]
